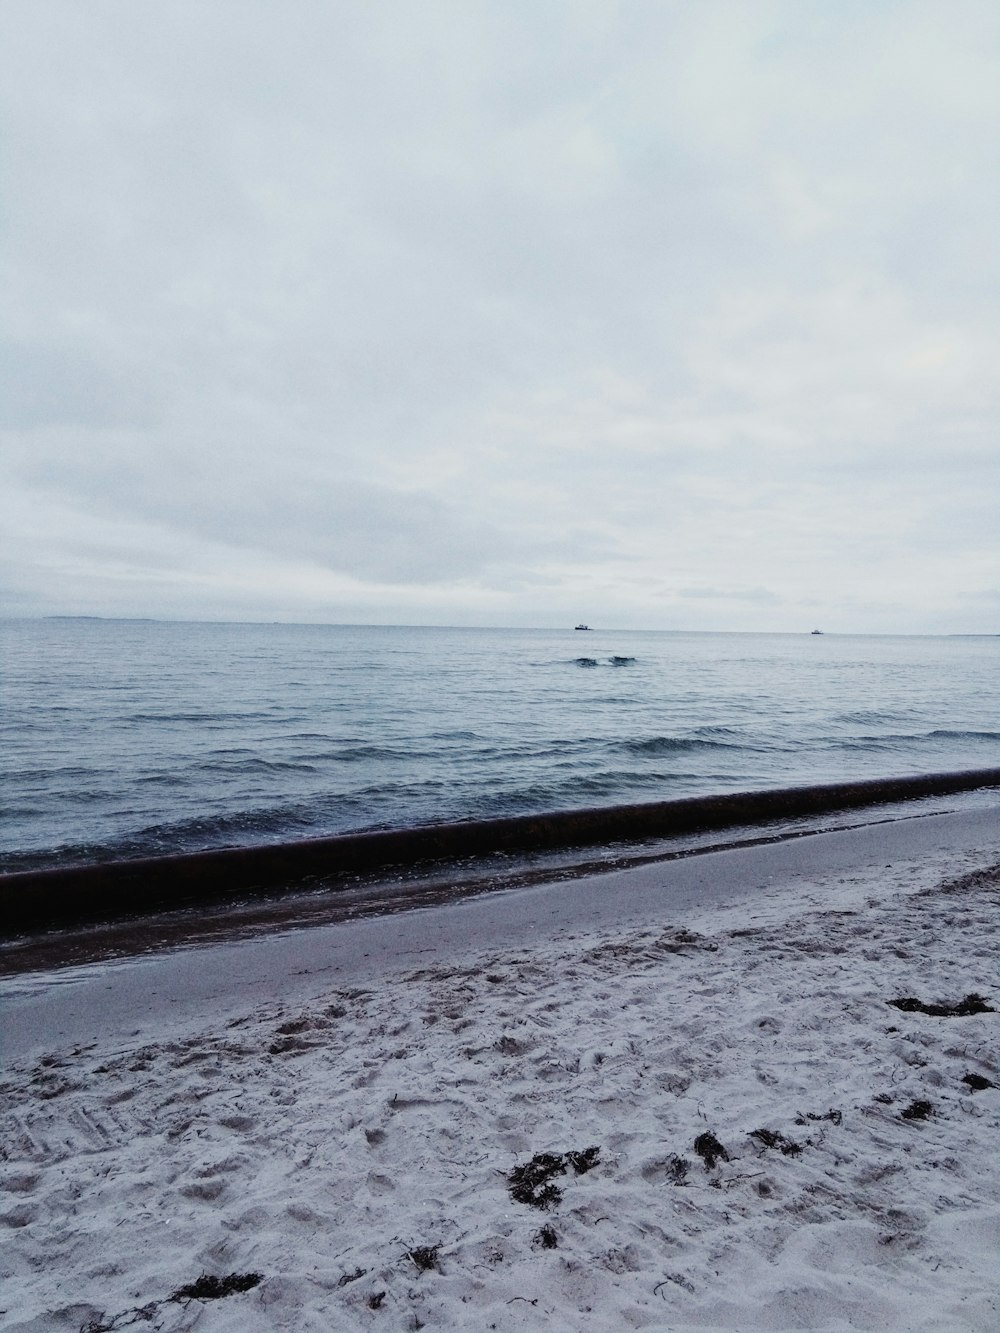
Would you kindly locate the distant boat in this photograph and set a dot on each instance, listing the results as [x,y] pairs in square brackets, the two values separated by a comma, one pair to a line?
[816,631]
[581,627]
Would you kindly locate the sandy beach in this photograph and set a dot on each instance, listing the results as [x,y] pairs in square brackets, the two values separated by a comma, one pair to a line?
[694,1110]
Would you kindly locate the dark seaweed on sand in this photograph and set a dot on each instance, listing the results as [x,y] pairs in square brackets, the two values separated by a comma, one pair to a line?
[209,1288]
[972,1004]
[977,1083]
[425,1257]
[770,1138]
[917,1111]
[582,1162]
[834,1117]
[710,1150]
[206,1288]
[677,1169]
[532,1182]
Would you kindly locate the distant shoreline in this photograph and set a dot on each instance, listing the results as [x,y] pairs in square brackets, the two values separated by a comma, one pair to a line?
[543,629]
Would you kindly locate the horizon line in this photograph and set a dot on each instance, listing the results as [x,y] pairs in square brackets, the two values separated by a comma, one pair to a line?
[550,628]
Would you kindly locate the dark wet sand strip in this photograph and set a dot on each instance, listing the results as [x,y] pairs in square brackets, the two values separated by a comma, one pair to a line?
[162,986]
[43,899]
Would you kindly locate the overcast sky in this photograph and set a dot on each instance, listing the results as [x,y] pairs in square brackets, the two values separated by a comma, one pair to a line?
[664,315]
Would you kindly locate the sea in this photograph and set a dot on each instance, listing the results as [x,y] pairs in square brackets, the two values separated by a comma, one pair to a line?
[126,738]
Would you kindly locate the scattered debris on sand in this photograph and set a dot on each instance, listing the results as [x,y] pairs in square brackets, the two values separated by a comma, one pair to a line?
[367,1167]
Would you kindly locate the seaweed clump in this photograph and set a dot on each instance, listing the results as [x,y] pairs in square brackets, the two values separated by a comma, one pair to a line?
[770,1138]
[677,1169]
[971,1004]
[835,1117]
[425,1257]
[917,1111]
[532,1183]
[208,1288]
[977,1083]
[710,1150]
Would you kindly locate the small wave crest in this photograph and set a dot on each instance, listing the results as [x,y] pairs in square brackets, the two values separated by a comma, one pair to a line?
[944,735]
[353,754]
[255,765]
[674,745]
[908,740]
[583,788]
[270,824]
[207,717]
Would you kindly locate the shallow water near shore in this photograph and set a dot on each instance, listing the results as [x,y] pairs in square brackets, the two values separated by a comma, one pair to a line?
[136,738]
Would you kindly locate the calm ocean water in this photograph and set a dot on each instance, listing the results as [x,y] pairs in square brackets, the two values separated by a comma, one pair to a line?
[132,738]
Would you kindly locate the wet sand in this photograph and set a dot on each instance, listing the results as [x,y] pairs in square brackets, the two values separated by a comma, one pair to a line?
[133,993]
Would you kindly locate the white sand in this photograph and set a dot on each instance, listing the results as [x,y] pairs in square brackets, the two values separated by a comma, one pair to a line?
[319,1140]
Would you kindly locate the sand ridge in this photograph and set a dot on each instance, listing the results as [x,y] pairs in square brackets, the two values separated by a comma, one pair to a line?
[357,1152]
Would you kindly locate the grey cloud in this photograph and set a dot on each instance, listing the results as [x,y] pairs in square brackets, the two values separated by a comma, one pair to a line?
[518,297]
[45,385]
[760,596]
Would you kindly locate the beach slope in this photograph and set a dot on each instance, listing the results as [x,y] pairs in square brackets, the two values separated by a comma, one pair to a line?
[721,1120]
